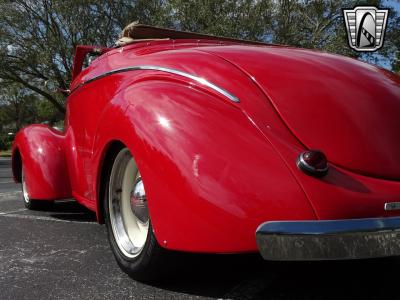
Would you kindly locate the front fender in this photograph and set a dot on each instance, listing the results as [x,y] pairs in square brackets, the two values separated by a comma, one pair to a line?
[40,149]
[210,176]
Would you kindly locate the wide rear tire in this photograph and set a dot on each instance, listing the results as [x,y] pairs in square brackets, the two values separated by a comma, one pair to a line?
[128,222]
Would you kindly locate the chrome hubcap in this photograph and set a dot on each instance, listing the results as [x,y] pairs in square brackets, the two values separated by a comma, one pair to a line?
[128,205]
[24,190]
[139,201]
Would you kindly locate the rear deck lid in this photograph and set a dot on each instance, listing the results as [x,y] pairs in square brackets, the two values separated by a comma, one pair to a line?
[346,108]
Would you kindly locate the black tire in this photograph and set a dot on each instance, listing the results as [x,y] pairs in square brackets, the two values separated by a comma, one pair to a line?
[29,203]
[153,260]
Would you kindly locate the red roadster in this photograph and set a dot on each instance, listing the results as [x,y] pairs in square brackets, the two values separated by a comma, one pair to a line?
[187,142]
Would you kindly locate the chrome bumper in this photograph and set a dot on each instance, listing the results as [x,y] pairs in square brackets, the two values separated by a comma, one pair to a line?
[329,240]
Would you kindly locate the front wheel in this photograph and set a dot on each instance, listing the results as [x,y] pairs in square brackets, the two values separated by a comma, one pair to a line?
[31,203]
[128,221]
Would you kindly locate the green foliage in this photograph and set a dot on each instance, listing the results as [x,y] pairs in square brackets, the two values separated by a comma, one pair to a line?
[16,110]
[245,19]
[312,24]
[6,140]
[46,112]
[396,64]
[17,107]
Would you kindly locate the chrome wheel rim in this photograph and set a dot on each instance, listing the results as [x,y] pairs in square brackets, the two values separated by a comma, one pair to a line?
[127,204]
[24,190]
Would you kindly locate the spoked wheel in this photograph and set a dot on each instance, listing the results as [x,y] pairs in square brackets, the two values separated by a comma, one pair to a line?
[128,222]
[28,202]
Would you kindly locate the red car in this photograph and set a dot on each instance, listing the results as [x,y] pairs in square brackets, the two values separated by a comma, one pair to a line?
[186,142]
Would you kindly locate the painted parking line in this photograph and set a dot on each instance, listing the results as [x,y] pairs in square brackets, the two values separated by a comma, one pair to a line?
[12,211]
[4,200]
[10,196]
[41,218]
[13,193]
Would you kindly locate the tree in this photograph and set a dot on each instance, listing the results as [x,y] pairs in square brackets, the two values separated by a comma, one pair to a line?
[18,107]
[38,38]
[312,24]
[246,19]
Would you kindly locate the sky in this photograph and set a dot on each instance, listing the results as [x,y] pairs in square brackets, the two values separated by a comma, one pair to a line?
[383,61]
[393,3]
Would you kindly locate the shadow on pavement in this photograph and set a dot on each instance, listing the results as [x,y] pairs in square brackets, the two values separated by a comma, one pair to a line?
[69,210]
[250,277]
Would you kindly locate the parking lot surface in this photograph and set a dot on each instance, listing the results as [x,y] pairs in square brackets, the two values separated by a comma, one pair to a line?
[62,253]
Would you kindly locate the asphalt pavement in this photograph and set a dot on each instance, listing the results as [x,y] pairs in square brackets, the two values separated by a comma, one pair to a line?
[62,253]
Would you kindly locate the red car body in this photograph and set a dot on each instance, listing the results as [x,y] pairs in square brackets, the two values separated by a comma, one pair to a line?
[216,128]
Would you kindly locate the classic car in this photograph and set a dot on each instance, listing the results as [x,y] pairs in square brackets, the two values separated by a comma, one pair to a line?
[183,142]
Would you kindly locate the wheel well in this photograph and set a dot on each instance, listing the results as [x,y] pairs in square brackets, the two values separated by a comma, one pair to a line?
[17,165]
[107,162]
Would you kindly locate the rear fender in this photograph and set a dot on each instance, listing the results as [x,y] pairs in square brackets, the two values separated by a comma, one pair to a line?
[211,177]
[40,149]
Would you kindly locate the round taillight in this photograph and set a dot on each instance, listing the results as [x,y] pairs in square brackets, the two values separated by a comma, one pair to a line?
[313,162]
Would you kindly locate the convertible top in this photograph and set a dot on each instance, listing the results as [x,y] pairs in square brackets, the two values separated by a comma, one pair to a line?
[135,32]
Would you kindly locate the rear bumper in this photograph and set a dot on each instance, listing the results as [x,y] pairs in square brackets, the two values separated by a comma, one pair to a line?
[329,240]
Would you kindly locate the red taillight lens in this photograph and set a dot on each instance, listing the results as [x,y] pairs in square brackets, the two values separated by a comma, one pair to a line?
[313,162]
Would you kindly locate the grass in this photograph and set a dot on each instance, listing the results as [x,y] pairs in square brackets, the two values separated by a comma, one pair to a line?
[5,153]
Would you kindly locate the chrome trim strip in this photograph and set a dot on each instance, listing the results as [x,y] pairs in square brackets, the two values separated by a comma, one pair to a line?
[329,226]
[198,79]
[329,240]
[392,206]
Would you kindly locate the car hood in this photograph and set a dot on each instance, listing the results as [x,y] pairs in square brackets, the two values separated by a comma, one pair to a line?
[346,108]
